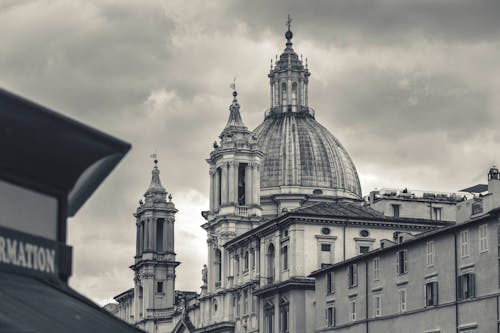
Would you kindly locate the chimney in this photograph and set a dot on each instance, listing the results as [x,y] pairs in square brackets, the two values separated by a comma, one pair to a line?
[494,181]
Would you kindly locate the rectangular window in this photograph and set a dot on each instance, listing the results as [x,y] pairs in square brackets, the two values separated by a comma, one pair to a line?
[430,253]
[353,310]
[364,249]
[483,238]
[402,300]
[245,302]
[330,282]
[395,210]
[284,257]
[284,318]
[466,286]
[464,243]
[159,287]
[376,269]
[352,275]
[437,213]
[238,304]
[325,247]
[402,262]
[377,306]
[330,316]
[431,293]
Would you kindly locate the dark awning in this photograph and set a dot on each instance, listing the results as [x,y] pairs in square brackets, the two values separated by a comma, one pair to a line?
[52,153]
[36,305]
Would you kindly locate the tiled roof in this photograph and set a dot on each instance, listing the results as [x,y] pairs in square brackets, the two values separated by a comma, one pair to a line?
[341,209]
[479,188]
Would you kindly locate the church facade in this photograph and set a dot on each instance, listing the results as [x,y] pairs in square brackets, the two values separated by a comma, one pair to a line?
[285,200]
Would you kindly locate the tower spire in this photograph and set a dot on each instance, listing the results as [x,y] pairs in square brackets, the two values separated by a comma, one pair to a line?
[155,185]
[234,122]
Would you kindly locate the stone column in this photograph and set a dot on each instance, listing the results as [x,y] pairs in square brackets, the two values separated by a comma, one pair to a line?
[224,184]
[138,240]
[248,185]
[212,189]
[271,94]
[210,266]
[217,193]
[232,187]
[145,234]
[255,185]
[170,287]
[151,230]
[305,94]
[155,234]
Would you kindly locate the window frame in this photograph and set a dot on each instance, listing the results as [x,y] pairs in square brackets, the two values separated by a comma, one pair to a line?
[377,306]
[464,243]
[330,316]
[353,309]
[402,262]
[434,289]
[330,282]
[403,300]
[483,238]
[430,253]
[376,269]
[352,275]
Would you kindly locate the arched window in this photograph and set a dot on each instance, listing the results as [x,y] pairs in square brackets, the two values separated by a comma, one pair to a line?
[218,267]
[270,263]
[284,94]
[269,317]
[284,315]
[294,93]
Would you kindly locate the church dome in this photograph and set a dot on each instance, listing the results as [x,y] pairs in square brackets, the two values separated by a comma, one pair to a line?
[300,155]
[300,152]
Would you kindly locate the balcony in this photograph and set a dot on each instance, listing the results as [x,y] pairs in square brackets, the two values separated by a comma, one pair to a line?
[241,211]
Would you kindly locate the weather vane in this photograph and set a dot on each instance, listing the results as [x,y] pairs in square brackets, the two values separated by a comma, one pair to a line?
[288,21]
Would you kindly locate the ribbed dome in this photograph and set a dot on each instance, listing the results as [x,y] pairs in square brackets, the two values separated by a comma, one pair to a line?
[298,151]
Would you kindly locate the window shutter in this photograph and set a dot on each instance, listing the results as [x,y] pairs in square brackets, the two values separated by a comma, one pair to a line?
[472,285]
[397,263]
[355,275]
[326,317]
[334,317]
[460,289]
[435,293]
[405,253]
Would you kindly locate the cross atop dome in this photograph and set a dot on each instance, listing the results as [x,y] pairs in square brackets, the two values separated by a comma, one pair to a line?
[288,33]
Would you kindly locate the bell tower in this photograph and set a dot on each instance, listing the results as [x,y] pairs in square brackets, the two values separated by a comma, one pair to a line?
[234,168]
[154,264]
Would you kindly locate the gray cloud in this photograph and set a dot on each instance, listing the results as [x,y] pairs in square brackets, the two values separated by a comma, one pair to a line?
[410,89]
[377,22]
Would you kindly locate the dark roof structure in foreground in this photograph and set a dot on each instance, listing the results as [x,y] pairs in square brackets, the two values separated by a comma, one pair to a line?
[38,305]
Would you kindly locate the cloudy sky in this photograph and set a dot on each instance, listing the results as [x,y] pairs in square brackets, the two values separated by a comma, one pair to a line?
[410,88]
